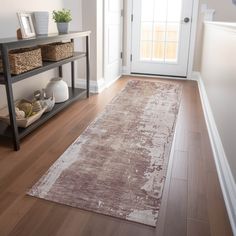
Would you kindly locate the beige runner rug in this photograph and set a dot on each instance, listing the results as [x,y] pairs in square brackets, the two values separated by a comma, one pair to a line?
[117,166]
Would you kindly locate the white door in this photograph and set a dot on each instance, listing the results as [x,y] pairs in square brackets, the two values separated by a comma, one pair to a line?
[113,40]
[161,37]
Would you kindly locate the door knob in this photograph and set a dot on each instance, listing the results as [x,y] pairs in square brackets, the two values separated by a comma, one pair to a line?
[186,19]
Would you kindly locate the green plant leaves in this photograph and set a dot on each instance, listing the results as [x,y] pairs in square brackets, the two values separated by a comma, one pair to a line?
[62,16]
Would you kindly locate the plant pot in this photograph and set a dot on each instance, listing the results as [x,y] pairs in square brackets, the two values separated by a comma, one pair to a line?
[58,89]
[41,19]
[63,27]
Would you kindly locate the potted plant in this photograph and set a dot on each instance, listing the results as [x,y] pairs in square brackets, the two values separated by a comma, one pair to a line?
[62,18]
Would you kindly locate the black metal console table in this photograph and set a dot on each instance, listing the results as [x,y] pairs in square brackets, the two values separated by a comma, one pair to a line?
[6,79]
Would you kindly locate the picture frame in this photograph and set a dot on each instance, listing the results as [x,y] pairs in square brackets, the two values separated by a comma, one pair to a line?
[26,24]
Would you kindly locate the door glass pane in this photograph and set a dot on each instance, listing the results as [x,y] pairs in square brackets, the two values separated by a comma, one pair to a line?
[174,10]
[146,50]
[146,31]
[171,52]
[159,51]
[160,10]
[160,30]
[172,32]
[147,10]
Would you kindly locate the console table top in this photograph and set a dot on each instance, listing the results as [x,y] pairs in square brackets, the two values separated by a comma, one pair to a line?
[13,42]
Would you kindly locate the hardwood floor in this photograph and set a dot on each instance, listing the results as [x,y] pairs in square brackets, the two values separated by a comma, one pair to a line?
[192,202]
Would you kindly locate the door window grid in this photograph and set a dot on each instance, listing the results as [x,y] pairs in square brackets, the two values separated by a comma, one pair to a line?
[160,39]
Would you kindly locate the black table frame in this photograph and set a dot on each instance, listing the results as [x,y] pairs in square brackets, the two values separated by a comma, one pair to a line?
[7,79]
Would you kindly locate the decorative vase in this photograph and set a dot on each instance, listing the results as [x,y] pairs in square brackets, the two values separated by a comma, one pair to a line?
[41,19]
[63,27]
[57,88]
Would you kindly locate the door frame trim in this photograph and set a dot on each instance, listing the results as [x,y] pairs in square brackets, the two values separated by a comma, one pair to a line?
[128,38]
[105,59]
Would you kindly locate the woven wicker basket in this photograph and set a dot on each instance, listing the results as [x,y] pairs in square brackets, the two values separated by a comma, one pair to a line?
[57,51]
[21,122]
[22,60]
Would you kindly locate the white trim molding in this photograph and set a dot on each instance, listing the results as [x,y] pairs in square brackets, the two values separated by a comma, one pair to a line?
[209,14]
[127,36]
[195,76]
[225,175]
[109,83]
[96,86]
[125,70]
[193,37]
[226,26]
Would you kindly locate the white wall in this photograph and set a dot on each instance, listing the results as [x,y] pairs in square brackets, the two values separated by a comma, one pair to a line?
[9,24]
[89,23]
[100,39]
[218,72]
[8,9]
[218,90]
[75,25]
[93,20]
[224,11]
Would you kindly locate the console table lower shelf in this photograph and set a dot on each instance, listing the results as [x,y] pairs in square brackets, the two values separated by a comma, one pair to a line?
[74,94]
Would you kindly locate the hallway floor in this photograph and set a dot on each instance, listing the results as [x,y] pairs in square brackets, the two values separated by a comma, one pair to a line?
[192,202]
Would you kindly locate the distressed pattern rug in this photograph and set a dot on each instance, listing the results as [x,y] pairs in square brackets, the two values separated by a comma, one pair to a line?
[117,166]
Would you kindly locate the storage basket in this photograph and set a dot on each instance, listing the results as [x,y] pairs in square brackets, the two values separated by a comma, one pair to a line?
[21,122]
[57,51]
[24,59]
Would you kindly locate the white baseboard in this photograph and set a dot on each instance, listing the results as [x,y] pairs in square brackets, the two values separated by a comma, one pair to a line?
[225,175]
[95,86]
[195,76]
[125,70]
[109,83]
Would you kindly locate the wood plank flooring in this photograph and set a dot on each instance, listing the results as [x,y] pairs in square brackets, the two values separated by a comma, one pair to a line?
[192,202]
